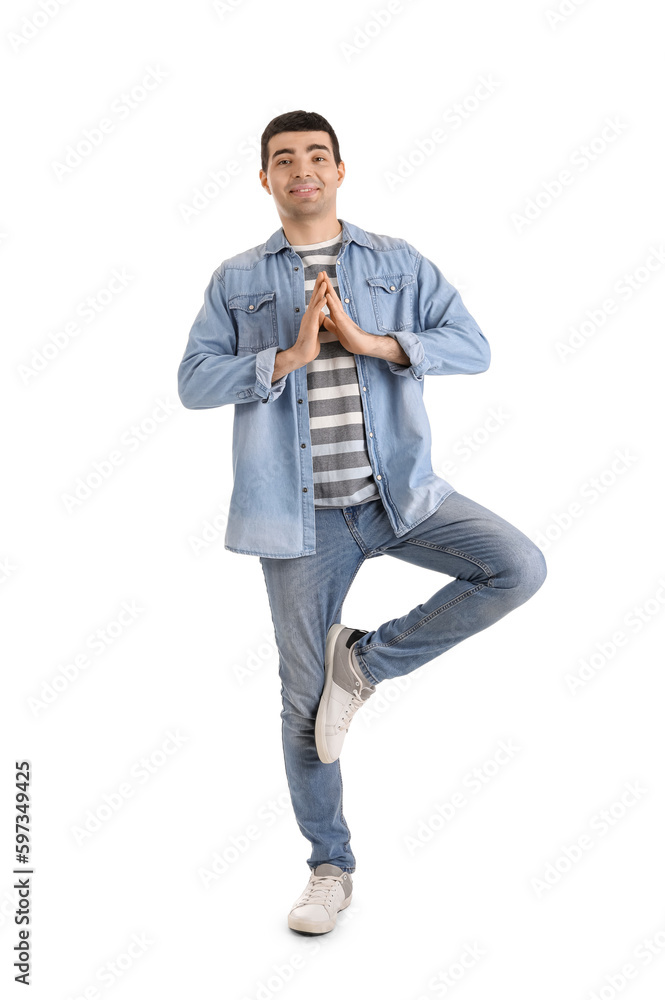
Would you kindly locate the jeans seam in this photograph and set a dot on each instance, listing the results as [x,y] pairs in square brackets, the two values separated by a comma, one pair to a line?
[338,609]
[351,524]
[347,843]
[427,618]
[454,552]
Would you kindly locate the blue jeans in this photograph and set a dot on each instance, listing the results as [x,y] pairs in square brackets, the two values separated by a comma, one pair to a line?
[495,568]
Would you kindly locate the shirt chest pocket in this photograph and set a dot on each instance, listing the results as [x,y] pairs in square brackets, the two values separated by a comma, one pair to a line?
[255,317]
[392,300]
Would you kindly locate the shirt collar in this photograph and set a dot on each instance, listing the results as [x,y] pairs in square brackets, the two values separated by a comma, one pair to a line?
[349,232]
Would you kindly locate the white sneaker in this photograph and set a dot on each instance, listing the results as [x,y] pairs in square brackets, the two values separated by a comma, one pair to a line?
[345,689]
[327,892]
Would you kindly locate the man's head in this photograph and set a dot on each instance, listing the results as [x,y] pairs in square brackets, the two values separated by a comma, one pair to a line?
[299,149]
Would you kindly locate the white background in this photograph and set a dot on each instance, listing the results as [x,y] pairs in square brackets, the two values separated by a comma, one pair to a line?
[198,655]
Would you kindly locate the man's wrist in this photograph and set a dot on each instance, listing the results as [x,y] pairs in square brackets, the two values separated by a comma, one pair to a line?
[285,361]
[386,347]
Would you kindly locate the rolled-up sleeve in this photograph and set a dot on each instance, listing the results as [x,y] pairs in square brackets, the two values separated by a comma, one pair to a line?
[210,372]
[449,341]
[414,350]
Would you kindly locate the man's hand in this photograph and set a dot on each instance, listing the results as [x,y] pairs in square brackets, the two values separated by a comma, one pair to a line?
[349,334]
[308,345]
[355,340]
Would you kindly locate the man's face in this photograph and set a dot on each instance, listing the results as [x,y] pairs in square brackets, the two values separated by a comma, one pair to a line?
[302,175]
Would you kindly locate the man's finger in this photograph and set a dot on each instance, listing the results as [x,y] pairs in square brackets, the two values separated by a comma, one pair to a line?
[331,303]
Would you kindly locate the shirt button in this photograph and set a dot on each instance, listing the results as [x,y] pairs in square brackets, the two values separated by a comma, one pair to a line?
[392,288]
[378,477]
[304,489]
[297,309]
[295,268]
[364,388]
[251,307]
[300,400]
[371,434]
[347,300]
[303,445]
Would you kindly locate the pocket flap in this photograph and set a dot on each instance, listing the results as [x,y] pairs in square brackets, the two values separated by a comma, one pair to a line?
[391,282]
[250,302]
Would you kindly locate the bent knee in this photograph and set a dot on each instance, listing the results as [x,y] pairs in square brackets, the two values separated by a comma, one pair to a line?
[527,571]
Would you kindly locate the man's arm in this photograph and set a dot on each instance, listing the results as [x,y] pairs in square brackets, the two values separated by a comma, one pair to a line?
[285,362]
[386,348]
[449,341]
[210,372]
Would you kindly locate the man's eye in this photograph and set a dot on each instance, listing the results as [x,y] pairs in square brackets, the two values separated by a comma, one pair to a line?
[286,161]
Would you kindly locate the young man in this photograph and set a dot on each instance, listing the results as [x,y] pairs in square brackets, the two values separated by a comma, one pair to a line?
[335,328]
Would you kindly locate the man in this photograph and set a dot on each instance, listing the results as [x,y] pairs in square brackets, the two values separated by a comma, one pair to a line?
[335,328]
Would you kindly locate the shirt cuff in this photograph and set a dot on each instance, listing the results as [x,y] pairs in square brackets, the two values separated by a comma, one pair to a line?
[413,347]
[265,366]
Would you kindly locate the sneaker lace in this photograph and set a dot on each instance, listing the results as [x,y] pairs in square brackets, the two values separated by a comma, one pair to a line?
[319,889]
[350,710]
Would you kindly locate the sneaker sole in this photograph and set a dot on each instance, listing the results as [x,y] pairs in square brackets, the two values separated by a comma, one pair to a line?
[298,924]
[320,724]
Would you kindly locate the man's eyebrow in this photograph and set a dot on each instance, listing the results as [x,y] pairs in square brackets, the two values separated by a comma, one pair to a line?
[314,145]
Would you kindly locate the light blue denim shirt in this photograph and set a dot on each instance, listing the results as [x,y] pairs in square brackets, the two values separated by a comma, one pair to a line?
[252,309]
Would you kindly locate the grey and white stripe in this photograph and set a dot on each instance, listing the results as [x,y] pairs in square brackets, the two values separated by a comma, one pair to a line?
[342,472]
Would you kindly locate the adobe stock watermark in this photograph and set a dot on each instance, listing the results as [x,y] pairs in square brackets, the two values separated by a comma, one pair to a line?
[469,444]
[220,179]
[237,845]
[211,531]
[88,310]
[7,569]
[596,317]
[388,693]
[256,659]
[97,642]
[562,13]
[140,773]
[453,118]
[589,492]
[109,973]
[640,957]
[224,7]
[366,33]
[444,980]
[583,157]
[600,824]
[282,973]
[122,107]
[131,440]
[605,650]
[33,24]
[473,782]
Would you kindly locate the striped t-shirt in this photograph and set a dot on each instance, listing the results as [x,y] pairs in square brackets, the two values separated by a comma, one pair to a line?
[342,473]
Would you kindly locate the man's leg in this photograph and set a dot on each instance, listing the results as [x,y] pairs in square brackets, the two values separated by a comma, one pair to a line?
[306,597]
[495,569]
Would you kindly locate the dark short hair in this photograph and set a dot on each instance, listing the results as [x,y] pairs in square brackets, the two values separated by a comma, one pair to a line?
[297,121]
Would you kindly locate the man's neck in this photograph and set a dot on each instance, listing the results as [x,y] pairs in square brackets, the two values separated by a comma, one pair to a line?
[315,232]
